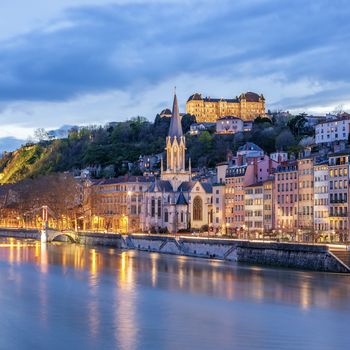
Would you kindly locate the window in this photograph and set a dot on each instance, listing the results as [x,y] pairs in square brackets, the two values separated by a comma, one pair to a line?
[153,207]
[197,209]
[166,215]
[159,209]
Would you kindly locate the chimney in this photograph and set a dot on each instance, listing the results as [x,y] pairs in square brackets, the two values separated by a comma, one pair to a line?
[255,163]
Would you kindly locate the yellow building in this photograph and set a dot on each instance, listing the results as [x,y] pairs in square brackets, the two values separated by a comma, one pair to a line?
[247,106]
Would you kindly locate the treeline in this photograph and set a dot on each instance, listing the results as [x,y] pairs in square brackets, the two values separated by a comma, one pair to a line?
[114,146]
[21,203]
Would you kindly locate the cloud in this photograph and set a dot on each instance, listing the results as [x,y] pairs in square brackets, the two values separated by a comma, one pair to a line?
[295,52]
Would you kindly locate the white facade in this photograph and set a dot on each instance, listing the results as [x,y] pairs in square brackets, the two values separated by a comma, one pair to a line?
[332,130]
[229,125]
[221,172]
[254,208]
[279,156]
[200,206]
[321,200]
[219,208]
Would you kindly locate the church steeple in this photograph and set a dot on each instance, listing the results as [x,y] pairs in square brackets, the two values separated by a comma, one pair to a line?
[175,142]
[175,150]
[175,129]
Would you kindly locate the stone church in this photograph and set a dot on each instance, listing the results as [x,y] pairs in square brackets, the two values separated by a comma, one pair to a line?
[174,202]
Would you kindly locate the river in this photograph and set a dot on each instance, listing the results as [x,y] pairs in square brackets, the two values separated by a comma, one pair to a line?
[65,296]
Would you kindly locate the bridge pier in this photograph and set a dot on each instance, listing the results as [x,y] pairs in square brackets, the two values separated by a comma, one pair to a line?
[43,236]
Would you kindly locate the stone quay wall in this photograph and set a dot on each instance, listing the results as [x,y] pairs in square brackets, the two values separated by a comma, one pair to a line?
[100,239]
[18,233]
[289,255]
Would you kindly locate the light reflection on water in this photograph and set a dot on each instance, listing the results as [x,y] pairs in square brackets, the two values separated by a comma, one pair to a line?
[62,295]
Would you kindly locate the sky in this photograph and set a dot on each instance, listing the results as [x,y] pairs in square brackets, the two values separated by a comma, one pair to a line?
[81,62]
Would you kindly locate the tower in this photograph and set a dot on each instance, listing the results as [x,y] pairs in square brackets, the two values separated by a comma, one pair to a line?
[175,150]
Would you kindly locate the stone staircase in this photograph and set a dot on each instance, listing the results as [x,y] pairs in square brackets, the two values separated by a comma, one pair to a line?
[343,256]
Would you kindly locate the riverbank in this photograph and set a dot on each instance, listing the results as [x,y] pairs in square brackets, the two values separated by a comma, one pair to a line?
[290,255]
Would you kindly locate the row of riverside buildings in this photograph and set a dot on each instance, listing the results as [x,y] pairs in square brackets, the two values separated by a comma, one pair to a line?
[252,195]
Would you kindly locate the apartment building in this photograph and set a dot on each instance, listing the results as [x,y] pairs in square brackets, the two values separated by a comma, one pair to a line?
[333,130]
[306,194]
[254,209]
[321,197]
[218,222]
[286,197]
[269,205]
[116,204]
[338,194]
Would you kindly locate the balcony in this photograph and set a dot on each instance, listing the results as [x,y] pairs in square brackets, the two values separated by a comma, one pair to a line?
[338,200]
[338,215]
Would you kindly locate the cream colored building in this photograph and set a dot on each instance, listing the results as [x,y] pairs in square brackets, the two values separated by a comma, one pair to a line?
[254,209]
[219,225]
[306,194]
[247,106]
[321,197]
[339,167]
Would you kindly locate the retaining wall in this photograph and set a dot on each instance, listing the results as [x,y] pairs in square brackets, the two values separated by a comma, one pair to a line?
[297,256]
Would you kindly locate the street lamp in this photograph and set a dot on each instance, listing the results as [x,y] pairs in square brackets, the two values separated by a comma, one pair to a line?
[226,227]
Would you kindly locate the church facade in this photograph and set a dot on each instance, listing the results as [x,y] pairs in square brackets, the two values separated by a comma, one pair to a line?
[174,202]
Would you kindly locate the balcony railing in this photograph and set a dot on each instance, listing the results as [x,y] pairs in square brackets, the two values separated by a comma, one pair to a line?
[340,215]
[338,201]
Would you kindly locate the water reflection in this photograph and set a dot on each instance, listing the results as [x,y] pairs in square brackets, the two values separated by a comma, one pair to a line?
[108,293]
[93,307]
[125,303]
[215,278]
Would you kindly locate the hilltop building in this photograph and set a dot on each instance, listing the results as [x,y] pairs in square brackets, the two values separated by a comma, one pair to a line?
[247,106]
[232,125]
[333,130]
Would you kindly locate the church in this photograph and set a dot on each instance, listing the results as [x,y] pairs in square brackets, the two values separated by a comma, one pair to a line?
[174,202]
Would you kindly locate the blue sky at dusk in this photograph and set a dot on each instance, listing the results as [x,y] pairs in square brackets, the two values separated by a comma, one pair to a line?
[94,61]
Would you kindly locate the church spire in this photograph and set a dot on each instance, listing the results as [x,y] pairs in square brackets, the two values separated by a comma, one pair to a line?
[175,129]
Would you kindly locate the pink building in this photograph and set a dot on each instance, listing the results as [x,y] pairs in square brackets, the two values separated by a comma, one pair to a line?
[286,197]
[251,166]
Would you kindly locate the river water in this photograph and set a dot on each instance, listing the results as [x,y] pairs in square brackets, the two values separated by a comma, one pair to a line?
[64,296]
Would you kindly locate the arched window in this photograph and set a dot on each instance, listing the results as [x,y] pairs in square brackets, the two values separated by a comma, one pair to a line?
[159,209]
[197,209]
[166,215]
[153,207]
[175,158]
[182,216]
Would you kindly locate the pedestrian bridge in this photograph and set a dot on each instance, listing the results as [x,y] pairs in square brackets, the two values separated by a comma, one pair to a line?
[50,236]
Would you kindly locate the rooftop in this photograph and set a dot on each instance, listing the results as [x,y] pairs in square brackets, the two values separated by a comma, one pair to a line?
[248,96]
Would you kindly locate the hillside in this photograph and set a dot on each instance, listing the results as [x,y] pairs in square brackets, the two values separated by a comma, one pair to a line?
[111,146]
